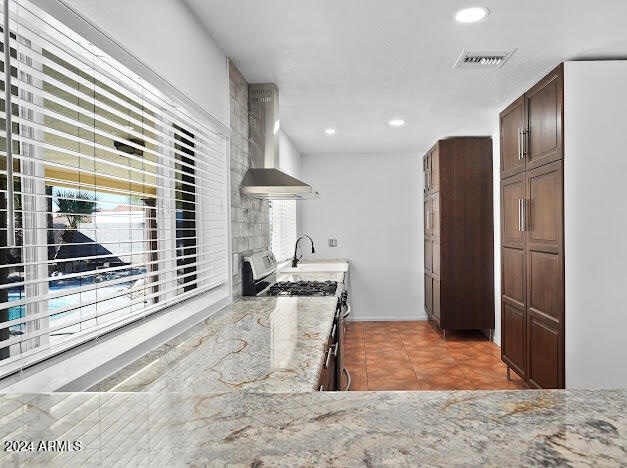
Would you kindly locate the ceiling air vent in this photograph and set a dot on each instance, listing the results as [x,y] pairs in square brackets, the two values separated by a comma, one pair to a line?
[483,60]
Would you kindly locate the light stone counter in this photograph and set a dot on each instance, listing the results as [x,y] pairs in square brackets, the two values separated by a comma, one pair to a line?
[324,260]
[469,428]
[263,344]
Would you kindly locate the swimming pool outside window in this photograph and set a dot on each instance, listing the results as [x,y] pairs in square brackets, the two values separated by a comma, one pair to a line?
[119,195]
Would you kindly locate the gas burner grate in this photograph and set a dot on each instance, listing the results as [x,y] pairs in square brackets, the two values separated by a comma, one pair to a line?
[303,288]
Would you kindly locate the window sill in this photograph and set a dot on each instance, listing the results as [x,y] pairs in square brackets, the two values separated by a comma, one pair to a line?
[80,368]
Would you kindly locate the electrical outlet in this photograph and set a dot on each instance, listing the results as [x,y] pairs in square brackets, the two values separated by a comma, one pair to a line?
[332,242]
[235,264]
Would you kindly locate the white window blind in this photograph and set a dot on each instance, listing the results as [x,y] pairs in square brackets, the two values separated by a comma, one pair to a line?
[283,228]
[118,207]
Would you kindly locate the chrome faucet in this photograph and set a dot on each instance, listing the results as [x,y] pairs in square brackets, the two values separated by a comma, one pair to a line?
[295,260]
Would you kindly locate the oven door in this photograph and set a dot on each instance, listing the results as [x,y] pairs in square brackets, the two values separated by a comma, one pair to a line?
[343,374]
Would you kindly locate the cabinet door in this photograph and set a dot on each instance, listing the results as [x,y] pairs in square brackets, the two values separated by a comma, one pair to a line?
[428,294]
[426,166]
[428,217]
[435,232]
[514,338]
[434,171]
[543,222]
[429,255]
[436,301]
[544,106]
[435,216]
[545,356]
[435,264]
[513,278]
[512,195]
[512,122]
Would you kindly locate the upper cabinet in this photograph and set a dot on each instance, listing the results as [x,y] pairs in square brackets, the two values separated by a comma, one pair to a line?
[531,127]
[431,168]
[512,124]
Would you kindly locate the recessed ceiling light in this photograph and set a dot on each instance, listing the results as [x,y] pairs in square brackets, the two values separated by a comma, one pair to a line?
[396,123]
[472,14]
[329,131]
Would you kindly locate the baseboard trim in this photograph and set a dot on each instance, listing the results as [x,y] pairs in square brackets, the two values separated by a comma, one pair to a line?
[391,318]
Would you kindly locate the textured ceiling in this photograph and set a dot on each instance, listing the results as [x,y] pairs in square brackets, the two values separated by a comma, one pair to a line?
[355,64]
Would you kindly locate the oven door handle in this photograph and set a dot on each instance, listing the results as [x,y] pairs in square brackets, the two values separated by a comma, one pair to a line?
[348,311]
[348,379]
[328,359]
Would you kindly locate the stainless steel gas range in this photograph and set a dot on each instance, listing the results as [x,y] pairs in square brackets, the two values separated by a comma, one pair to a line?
[260,279]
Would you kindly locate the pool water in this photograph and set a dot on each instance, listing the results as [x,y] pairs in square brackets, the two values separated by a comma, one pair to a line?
[18,311]
[53,304]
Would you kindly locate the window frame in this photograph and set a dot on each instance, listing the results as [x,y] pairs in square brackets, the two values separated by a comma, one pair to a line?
[166,223]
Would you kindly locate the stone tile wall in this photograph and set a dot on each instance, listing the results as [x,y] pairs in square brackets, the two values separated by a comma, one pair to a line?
[249,216]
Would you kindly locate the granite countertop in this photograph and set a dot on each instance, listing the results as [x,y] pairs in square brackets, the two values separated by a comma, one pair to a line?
[179,408]
[265,344]
[462,428]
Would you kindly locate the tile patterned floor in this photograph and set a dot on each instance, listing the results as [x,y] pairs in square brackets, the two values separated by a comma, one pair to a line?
[412,356]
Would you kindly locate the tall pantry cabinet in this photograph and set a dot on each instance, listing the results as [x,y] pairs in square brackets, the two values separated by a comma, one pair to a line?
[458,233]
[532,234]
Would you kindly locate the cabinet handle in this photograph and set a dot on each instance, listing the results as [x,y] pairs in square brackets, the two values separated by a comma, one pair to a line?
[348,379]
[321,389]
[326,362]
[519,145]
[523,144]
[348,311]
[335,349]
[333,332]
[520,223]
[427,220]
[524,214]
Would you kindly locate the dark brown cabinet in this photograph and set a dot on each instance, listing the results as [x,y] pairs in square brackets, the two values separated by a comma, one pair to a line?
[532,237]
[531,127]
[458,229]
[431,165]
[334,375]
[512,124]
[328,375]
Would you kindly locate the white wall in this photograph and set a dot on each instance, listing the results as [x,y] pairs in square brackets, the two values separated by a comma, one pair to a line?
[372,205]
[163,35]
[595,210]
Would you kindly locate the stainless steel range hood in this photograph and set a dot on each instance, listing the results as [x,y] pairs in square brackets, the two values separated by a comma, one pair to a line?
[264,179]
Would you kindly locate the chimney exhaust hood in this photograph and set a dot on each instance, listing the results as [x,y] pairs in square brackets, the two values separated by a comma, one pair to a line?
[264,179]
